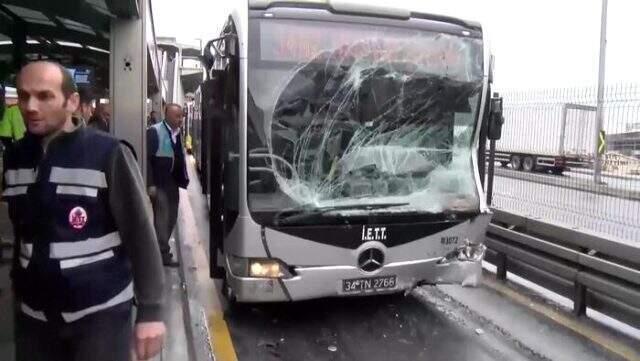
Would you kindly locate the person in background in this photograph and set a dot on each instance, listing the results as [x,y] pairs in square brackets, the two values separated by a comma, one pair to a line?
[86,246]
[101,118]
[85,109]
[167,171]
[153,118]
[12,126]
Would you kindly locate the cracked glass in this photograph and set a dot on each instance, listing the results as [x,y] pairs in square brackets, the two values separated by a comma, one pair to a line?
[346,117]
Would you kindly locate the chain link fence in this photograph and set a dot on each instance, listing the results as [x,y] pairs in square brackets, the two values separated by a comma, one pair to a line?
[545,161]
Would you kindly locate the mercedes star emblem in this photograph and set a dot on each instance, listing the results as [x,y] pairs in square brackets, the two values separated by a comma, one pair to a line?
[371,259]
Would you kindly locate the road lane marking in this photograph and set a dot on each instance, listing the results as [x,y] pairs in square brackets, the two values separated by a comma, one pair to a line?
[220,339]
[585,330]
[195,219]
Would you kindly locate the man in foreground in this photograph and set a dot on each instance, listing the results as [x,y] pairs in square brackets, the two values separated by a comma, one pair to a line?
[86,245]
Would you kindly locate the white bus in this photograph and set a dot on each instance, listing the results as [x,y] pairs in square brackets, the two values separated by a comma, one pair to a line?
[340,147]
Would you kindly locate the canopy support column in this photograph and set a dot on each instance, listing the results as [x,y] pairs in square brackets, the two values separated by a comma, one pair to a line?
[128,81]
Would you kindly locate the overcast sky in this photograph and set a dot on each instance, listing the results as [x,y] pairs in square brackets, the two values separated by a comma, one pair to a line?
[537,43]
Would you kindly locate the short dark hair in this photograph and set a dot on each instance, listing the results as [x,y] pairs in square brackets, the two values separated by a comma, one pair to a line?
[68,85]
[86,96]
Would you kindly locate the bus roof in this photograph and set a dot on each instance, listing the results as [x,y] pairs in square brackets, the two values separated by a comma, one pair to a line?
[358,8]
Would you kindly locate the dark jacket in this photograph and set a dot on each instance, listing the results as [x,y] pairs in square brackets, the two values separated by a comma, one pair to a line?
[166,163]
[86,240]
[99,123]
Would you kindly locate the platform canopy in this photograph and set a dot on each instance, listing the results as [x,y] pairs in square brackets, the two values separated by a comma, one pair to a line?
[73,32]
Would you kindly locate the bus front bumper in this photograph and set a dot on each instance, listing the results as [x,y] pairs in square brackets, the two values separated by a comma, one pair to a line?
[327,281]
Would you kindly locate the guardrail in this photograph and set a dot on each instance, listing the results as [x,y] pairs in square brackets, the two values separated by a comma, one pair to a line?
[595,271]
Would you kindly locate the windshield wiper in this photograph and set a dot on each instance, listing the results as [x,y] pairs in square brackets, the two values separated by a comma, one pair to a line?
[304,212]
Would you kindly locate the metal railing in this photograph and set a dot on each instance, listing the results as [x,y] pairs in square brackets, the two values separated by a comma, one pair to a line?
[593,270]
[559,125]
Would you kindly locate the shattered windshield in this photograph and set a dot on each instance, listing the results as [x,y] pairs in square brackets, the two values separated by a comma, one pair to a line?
[343,115]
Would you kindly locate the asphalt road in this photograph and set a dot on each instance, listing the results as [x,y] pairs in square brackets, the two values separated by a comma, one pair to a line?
[628,182]
[610,186]
[542,196]
[373,329]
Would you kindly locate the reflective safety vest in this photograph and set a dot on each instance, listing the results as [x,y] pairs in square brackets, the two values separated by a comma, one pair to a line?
[71,261]
[11,124]
[165,144]
[167,159]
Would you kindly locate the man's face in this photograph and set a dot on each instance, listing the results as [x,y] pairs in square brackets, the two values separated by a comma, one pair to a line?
[106,112]
[174,117]
[87,110]
[42,103]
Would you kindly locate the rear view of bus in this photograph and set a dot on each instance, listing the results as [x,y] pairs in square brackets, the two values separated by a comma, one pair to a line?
[357,135]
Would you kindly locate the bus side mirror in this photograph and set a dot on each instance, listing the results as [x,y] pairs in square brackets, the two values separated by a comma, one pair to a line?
[495,118]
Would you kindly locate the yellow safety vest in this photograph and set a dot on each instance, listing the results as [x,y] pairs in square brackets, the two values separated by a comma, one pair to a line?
[188,142]
[12,125]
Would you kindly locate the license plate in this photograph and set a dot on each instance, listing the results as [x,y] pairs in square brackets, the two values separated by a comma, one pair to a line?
[358,285]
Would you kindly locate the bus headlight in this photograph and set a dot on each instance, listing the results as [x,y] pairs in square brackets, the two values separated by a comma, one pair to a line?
[265,268]
[259,267]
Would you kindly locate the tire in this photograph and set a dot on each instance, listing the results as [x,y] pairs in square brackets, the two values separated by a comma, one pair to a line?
[529,164]
[557,171]
[516,162]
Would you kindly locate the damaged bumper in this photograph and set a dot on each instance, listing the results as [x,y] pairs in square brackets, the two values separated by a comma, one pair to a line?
[319,282]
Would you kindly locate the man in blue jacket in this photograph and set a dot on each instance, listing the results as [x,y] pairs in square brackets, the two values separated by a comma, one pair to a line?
[167,172]
[85,246]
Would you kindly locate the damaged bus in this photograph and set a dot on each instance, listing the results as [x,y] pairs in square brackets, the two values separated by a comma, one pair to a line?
[340,149]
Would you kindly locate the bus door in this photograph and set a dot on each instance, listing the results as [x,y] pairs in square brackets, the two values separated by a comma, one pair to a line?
[221,101]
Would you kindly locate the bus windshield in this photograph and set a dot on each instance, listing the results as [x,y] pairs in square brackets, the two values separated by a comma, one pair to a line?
[346,117]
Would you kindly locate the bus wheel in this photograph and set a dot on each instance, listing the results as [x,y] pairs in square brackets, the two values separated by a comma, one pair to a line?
[529,164]
[516,162]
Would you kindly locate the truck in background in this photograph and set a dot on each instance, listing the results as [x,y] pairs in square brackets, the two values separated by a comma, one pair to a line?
[547,137]
[11,96]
